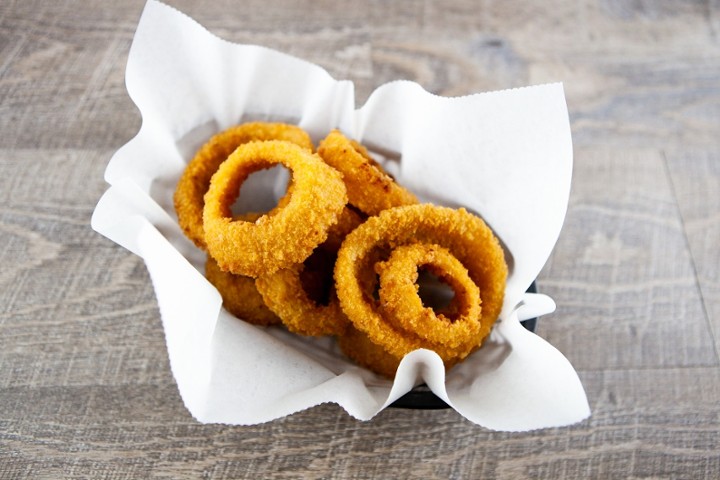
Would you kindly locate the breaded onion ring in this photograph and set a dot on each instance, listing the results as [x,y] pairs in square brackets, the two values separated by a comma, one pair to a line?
[240,296]
[370,189]
[358,347]
[195,180]
[284,293]
[402,306]
[303,295]
[348,221]
[289,235]
[463,234]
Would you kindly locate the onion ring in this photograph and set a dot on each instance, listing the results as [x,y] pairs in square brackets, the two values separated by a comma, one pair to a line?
[358,347]
[284,294]
[302,295]
[370,189]
[348,221]
[195,180]
[466,236]
[240,296]
[402,306]
[289,235]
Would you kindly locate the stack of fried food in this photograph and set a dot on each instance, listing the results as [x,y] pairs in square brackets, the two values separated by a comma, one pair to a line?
[342,251]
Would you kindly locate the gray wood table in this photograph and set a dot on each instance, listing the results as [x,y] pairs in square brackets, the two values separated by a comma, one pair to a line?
[85,386]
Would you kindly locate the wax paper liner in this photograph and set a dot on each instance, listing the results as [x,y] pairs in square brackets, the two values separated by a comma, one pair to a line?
[506,156]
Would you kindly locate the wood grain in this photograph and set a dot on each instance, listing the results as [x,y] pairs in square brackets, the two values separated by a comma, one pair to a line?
[85,385]
[622,272]
[696,185]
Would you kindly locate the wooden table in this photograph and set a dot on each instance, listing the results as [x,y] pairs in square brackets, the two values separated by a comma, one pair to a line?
[85,385]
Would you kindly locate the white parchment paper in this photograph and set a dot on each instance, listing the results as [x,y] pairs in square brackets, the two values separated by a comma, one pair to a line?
[505,155]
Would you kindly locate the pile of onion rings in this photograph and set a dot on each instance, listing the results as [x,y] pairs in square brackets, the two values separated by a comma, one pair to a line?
[342,252]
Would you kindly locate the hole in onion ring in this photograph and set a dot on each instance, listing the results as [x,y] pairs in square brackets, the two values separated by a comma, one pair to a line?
[317,276]
[433,292]
[262,190]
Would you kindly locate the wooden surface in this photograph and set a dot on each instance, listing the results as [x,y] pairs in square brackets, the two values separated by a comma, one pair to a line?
[85,386]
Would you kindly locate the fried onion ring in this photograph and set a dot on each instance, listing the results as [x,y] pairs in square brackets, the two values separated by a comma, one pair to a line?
[240,296]
[284,293]
[289,235]
[195,180]
[302,295]
[370,189]
[358,347]
[401,303]
[466,236]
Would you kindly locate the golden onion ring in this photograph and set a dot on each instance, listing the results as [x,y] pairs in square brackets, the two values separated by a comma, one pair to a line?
[302,295]
[294,230]
[370,189]
[195,180]
[402,306]
[466,236]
